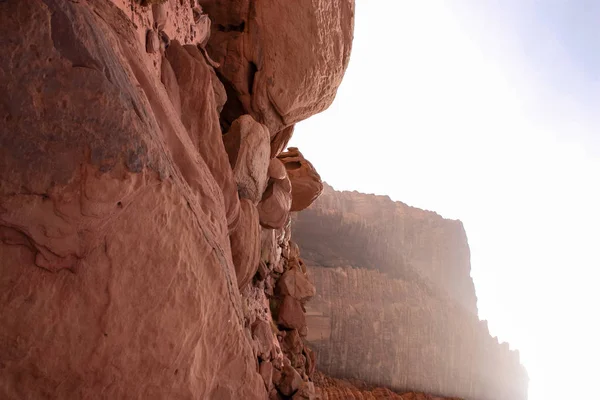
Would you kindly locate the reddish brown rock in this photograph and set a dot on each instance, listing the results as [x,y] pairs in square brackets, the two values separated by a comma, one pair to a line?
[274,208]
[277,169]
[117,278]
[280,140]
[247,145]
[263,336]
[296,284]
[201,119]
[291,314]
[251,41]
[168,78]
[152,41]
[245,243]
[266,371]
[306,182]
[290,381]
[404,314]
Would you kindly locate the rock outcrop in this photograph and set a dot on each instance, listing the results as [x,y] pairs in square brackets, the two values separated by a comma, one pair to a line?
[306,182]
[405,329]
[140,250]
[373,232]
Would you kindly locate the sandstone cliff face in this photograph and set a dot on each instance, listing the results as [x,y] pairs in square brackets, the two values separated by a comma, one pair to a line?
[373,232]
[139,255]
[405,329]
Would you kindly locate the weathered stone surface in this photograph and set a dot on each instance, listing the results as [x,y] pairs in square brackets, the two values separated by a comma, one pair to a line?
[247,145]
[201,119]
[274,208]
[294,283]
[306,182]
[252,41]
[266,371]
[114,246]
[373,232]
[291,314]
[261,333]
[280,140]
[245,243]
[152,41]
[404,329]
[290,381]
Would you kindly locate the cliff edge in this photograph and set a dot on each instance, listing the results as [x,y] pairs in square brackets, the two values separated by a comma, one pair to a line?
[395,305]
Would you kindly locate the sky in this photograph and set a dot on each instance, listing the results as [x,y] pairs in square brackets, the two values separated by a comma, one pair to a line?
[488,112]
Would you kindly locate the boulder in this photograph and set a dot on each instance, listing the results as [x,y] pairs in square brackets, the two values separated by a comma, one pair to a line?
[274,208]
[296,284]
[306,182]
[252,41]
[291,315]
[290,381]
[263,336]
[247,145]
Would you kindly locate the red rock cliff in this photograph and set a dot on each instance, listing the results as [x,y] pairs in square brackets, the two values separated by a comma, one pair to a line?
[398,307]
[144,216]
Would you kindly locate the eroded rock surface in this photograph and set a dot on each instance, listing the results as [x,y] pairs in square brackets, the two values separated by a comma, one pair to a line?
[129,244]
[306,182]
[374,232]
[393,306]
[275,74]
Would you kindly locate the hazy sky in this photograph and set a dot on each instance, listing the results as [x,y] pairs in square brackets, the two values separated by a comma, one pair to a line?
[488,112]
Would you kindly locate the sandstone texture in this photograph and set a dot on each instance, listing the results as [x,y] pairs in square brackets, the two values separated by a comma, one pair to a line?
[140,249]
[413,328]
[306,182]
[373,232]
[275,74]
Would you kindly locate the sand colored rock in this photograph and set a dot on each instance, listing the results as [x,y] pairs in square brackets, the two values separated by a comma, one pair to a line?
[252,41]
[247,145]
[306,182]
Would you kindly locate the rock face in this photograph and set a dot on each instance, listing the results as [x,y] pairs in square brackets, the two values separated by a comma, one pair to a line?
[399,329]
[373,232]
[129,241]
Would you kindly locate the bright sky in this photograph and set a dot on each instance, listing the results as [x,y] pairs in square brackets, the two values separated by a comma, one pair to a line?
[488,112]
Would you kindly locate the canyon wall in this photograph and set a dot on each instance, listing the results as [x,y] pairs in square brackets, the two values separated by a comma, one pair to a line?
[411,325]
[145,196]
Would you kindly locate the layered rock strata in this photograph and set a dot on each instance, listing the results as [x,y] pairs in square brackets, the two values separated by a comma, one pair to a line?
[374,232]
[407,329]
[144,217]
[339,389]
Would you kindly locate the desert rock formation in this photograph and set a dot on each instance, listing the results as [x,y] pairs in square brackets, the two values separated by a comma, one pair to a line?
[140,250]
[413,328]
